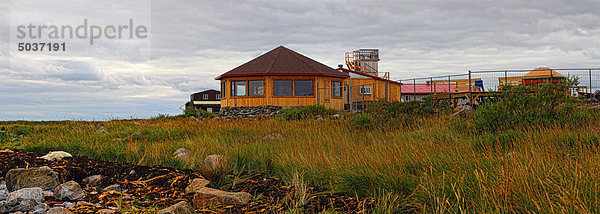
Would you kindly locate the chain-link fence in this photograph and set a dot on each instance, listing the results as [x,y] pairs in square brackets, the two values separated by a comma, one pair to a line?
[457,89]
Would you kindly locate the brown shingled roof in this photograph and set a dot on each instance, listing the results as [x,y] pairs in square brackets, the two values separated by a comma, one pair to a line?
[282,61]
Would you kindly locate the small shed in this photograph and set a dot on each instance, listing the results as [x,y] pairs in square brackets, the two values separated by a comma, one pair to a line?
[541,75]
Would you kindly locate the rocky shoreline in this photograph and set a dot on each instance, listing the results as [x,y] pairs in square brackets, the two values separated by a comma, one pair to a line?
[65,184]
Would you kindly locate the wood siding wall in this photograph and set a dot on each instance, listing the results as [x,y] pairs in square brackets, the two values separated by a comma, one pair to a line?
[324,96]
[378,89]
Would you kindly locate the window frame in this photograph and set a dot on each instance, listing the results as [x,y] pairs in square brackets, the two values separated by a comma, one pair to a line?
[204,96]
[223,89]
[363,90]
[233,90]
[293,80]
[218,96]
[333,87]
[312,87]
[248,88]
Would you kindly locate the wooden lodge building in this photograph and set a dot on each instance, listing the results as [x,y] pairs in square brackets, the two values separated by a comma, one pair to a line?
[282,77]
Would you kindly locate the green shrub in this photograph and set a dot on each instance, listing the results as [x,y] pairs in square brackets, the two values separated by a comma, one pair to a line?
[362,121]
[543,105]
[301,112]
[199,113]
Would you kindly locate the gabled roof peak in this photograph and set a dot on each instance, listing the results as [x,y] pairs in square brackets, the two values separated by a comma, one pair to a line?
[282,61]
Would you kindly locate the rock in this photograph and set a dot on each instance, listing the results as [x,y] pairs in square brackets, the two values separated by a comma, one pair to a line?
[3,192]
[91,180]
[106,211]
[274,137]
[42,177]
[215,162]
[68,204]
[58,210]
[3,208]
[196,184]
[209,197]
[34,193]
[69,191]
[6,151]
[132,172]
[102,130]
[114,187]
[335,116]
[42,206]
[24,199]
[182,154]
[39,211]
[56,156]
[182,207]
[463,112]
[48,194]
[16,139]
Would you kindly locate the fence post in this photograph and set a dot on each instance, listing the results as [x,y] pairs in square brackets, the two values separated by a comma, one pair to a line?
[450,92]
[470,97]
[505,77]
[318,95]
[431,89]
[350,95]
[400,81]
[386,91]
[590,73]
[414,89]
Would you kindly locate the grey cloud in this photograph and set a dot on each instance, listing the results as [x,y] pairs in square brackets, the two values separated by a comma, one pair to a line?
[194,41]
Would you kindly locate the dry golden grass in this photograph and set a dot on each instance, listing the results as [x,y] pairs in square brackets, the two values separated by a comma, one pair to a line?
[429,167]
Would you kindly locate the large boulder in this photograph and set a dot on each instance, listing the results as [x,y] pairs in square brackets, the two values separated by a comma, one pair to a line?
[212,197]
[196,184]
[69,191]
[182,207]
[42,177]
[24,200]
[56,156]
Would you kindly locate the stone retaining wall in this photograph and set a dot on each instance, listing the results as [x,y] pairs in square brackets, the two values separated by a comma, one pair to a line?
[249,112]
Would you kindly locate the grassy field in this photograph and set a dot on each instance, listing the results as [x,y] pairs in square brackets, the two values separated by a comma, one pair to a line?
[435,165]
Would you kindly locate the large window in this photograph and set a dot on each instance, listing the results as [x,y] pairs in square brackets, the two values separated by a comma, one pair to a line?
[336,89]
[282,87]
[256,88]
[223,86]
[238,88]
[303,88]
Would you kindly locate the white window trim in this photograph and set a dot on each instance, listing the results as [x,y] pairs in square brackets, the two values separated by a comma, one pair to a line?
[365,90]
[205,96]
[218,96]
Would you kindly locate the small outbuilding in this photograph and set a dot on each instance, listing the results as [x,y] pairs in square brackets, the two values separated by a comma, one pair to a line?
[209,100]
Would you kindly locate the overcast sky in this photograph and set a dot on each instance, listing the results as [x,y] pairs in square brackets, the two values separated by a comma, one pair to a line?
[191,42]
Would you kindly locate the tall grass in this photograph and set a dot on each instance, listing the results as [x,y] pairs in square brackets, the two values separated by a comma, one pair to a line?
[428,166]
